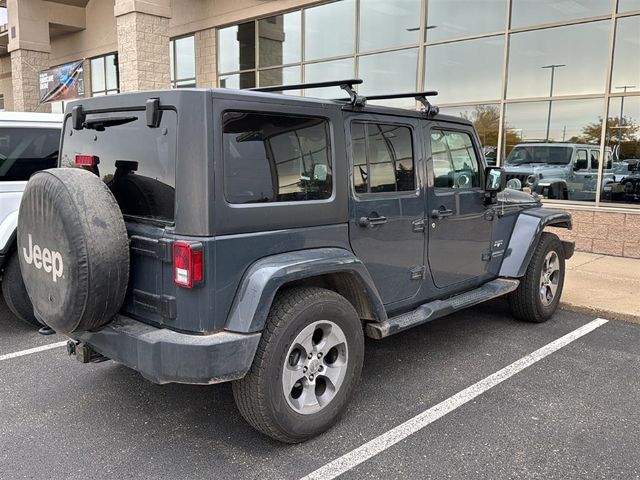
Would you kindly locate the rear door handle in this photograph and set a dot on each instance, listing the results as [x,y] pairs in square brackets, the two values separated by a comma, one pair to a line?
[441,213]
[371,221]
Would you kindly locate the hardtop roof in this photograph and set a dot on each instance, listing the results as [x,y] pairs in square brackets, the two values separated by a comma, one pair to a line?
[172,96]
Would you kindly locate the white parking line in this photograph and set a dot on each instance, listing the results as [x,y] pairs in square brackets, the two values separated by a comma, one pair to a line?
[29,351]
[361,454]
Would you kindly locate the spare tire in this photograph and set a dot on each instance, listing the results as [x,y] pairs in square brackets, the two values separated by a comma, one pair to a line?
[73,249]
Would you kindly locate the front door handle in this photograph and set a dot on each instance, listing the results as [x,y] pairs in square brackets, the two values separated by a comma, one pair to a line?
[371,221]
[441,213]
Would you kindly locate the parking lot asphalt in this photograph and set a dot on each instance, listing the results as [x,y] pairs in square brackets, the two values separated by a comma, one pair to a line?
[573,414]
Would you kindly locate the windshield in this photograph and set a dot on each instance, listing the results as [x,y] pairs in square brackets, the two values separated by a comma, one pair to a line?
[137,162]
[24,151]
[521,155]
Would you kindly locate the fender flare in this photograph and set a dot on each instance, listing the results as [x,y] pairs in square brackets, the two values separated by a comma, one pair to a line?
[263,278]
[526,235]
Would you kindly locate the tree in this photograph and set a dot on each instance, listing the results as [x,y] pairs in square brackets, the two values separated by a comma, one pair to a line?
[616,133]
[486,119]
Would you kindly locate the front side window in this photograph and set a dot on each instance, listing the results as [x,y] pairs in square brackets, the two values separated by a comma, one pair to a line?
[455,163]
[24,151]
[382,158]
[595,159]
[276,158]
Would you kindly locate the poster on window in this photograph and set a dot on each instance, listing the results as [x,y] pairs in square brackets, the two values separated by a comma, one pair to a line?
[65,82]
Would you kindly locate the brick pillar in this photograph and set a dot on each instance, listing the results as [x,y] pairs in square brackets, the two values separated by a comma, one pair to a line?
[6,86]
[25,65]
[143,51]
[206,66]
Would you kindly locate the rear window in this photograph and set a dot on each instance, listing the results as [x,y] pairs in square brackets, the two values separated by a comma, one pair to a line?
[137,162]
[275,158]
[24,151]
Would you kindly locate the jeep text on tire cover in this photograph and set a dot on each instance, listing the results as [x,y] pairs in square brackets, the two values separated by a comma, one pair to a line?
[49,260]
[228,235]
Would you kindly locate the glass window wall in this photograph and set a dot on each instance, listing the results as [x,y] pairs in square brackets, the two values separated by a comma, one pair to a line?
[465,71]
[570,60]
[461,18]
[182,58]
[626,59]
[535,12]
[377,15]
[104,75]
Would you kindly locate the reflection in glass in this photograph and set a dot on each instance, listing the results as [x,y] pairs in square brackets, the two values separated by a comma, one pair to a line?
[548,162]
[528,12]
[275,158]
[486,120]
[325,71]
[329,30]
[279,39]
[455,164]
[281,76]
[537,56]
[237,47]
[238,80]
[450,19]
[388,23]
[391,72]
[449,68]
[623,138]
[628,5]
[185,57]
[626,57]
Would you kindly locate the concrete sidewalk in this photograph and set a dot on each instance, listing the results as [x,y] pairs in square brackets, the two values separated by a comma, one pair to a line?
[602,285]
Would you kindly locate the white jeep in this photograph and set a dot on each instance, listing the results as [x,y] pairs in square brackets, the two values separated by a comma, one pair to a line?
[28,142]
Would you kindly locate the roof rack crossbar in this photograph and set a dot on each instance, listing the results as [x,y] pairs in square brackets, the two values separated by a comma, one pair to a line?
[421,97]
[346,85]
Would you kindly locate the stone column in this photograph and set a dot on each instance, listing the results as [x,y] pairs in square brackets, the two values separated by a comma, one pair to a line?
[143,44]
[206,66]
[25,65]
[29,48]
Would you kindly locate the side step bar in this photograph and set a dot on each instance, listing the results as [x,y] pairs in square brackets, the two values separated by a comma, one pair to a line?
[440,308]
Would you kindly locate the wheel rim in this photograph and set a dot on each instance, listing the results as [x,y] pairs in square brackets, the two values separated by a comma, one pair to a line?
[315,367]
[549,278]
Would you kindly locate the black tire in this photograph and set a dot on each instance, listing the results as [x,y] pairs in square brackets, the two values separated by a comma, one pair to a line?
[260,396]
[73,249]
[526,302]
[15,294]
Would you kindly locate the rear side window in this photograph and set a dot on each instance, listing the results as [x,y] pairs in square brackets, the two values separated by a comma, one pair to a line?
[455,164]
[382,158]
[24,151]
[137,162]
[276,158]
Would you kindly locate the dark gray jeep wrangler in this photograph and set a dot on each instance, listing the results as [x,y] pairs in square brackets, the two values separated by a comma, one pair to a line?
[205,236]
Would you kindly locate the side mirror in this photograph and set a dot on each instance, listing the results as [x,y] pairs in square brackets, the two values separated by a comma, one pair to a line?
[495,179]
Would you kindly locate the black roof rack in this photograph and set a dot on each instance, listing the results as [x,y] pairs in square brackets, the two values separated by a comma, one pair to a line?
[346,85]
[355,99]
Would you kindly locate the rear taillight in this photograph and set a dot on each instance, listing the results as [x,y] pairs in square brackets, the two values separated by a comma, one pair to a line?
[87,160]
[188,266]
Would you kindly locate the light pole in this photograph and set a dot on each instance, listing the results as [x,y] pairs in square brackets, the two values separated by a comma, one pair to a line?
[553,72]
[624,89]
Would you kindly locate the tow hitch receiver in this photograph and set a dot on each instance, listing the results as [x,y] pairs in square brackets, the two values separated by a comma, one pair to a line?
[84,353]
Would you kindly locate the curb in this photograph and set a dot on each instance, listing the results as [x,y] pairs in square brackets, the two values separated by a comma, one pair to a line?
[600,312]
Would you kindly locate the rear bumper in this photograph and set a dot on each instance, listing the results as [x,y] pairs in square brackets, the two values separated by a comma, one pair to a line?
[165,356]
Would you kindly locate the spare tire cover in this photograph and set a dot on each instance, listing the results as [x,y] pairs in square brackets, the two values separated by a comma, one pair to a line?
[73,249]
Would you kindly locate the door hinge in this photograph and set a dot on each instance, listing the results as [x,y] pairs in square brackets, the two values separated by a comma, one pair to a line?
[486,256]
[418,272]
[418,225]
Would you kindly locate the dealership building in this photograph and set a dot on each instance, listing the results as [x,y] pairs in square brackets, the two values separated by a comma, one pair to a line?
[524,71]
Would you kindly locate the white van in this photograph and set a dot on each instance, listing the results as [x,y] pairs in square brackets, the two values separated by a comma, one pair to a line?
[28,142]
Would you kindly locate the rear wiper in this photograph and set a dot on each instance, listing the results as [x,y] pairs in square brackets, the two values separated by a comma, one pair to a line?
[100,124]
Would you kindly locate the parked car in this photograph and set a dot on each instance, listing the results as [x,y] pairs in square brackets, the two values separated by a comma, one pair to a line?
[28,143]
[205,236]
[558,170]
[626,188]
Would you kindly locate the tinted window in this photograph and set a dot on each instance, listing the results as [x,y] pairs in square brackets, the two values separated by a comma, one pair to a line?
[455,164]
[595,159]
[135,161]
[24,151]
[382,158]
[275,158]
